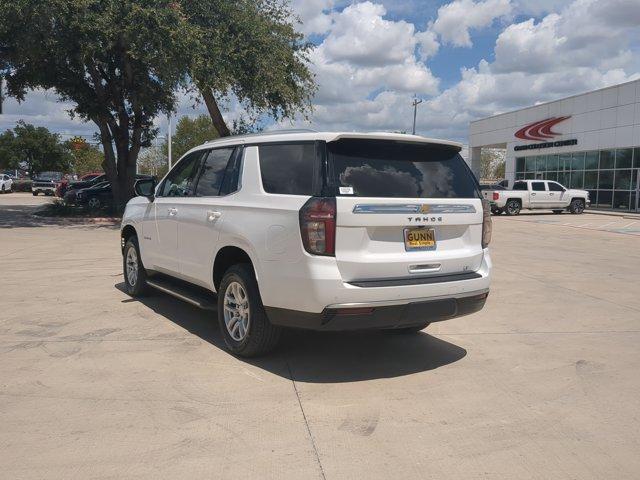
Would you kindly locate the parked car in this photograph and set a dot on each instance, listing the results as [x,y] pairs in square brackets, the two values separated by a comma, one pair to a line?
[94,197]
[45,183]
[6,183]
[65,183]
[98,195]
[488,194]
[72,188]
[322,231]
[541,194]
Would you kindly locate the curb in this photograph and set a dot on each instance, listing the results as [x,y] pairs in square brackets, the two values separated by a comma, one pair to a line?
[81,220]
[630,215]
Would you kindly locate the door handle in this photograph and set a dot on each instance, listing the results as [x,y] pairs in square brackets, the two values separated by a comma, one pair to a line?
[172,212]
[533,194]
[212,216]
[550,193]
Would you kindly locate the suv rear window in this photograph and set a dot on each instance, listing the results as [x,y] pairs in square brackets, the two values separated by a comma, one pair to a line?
[288,168]
[372,168]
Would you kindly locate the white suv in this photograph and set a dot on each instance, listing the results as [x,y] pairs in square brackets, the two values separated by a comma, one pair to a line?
[323,231]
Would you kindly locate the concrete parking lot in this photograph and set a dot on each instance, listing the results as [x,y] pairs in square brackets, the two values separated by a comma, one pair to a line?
[543,383]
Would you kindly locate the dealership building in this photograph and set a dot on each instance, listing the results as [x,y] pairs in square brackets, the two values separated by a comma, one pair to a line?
[589,141]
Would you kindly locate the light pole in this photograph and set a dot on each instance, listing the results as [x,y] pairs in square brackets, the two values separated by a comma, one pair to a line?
[169,141]
[415,104]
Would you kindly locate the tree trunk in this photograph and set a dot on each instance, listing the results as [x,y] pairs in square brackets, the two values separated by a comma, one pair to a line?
[118,166]
[214,112]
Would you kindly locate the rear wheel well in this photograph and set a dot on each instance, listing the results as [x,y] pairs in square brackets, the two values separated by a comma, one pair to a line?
[227,257]
[126,234]
[519,200]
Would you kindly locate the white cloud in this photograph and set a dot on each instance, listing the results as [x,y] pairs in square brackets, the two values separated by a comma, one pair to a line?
[586,33]
[314,15]
[364,53]
[457,18]
[535,61]
[361,36]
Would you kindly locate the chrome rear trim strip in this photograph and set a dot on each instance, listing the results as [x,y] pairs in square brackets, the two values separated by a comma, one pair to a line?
[386,208]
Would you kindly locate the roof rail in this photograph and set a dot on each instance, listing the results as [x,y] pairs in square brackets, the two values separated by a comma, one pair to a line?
[264,134]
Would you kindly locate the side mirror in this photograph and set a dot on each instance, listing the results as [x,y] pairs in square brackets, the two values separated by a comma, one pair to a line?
[145,187]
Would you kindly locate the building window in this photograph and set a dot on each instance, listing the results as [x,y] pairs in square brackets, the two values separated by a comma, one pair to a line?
[610,176]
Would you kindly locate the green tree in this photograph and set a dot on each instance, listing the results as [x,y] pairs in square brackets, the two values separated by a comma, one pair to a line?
[118,61]
[249,49]
[190,132]
[6,150]
[85,158]
[37,147]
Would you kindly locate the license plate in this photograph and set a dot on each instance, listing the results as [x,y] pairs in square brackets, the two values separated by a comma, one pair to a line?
[420,238]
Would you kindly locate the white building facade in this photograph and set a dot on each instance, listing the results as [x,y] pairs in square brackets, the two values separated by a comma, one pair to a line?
[589,141]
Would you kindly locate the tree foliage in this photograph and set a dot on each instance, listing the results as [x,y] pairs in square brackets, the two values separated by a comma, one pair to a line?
[120,62]
[492,164]
[190,132]
[36,148]
[249,49]
[85,158]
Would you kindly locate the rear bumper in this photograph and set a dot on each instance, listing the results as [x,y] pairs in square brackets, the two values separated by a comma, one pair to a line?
[381,315]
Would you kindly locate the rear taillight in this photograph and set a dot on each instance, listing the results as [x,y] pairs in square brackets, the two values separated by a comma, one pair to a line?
[318,225]
[486,224]
[496,196]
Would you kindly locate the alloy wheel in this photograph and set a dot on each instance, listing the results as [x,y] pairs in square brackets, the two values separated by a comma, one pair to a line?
[236,311]
[132,266]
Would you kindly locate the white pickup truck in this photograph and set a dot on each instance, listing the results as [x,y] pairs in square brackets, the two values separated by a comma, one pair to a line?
[538,194]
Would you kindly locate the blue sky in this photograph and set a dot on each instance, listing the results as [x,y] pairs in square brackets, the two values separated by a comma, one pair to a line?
[465,58]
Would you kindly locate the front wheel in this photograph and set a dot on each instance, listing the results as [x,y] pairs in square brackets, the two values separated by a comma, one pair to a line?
[512,207]
[35,194]
[135,276]
[576,206]
[243,322]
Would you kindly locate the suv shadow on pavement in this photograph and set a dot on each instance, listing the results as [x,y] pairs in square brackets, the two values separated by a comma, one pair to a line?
[321,357]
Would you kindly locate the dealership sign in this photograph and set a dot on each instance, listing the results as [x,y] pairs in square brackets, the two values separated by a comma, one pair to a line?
[541,131]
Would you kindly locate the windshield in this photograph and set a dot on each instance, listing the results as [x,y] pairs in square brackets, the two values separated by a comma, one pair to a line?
[372,168]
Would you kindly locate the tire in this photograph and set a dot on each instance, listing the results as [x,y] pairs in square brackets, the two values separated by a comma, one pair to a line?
[2,188]
[136,285]
[557,212]
[576,206]
[35,194]
[497,211]
[244,324]
[93,203]
[512,207]
[408,330]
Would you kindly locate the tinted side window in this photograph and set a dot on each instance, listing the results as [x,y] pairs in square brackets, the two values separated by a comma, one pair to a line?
[231,182]
[520,186]
[213,170]
[288,169]
[554,187]
[179,182]
[537,186]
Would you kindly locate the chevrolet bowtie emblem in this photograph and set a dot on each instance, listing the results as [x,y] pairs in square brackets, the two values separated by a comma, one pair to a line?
[424,208]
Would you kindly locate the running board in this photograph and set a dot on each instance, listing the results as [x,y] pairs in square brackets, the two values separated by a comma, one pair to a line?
[183,291]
